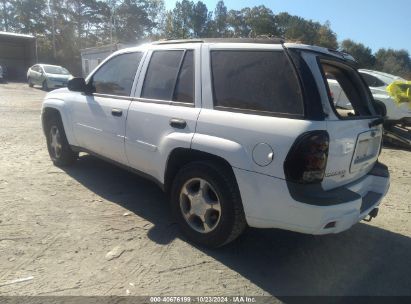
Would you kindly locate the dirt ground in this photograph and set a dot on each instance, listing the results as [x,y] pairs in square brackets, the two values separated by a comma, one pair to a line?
[95,229]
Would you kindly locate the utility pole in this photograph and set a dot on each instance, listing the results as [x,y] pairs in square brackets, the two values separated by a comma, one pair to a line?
[53,27]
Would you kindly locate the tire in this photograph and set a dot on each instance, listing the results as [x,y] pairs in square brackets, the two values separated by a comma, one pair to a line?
[45,86]
[30,82]
[224,221]
[57,144]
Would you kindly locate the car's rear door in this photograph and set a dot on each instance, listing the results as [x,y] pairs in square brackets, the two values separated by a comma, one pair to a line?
[164,112]
[99,119]
[355,135]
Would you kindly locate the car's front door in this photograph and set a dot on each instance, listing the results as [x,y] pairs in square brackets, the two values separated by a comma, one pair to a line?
[35,74]
[99,119]
[164,113]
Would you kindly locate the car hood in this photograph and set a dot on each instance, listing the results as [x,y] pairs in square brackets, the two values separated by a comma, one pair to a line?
[58,94]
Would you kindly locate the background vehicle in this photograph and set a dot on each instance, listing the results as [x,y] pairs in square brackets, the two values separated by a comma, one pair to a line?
[232,132]
[48,76]
[378,83]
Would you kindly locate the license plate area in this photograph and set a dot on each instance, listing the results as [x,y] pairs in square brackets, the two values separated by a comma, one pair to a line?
[366,150]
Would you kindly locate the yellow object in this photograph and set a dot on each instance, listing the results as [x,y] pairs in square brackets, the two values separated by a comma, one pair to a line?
[400,91]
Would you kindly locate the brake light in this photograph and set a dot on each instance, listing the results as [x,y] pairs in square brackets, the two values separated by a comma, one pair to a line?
[307,159]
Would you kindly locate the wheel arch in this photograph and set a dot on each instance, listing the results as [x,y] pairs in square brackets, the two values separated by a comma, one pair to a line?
[179,157]
[57,107]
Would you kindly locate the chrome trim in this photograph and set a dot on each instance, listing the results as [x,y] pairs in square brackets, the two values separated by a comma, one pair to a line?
[113,96]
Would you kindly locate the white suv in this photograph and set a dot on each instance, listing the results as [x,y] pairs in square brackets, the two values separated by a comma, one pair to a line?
[237,131]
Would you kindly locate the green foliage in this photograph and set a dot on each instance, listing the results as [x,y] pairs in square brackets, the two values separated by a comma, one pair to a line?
[394,62]
[300,30]
[360,52]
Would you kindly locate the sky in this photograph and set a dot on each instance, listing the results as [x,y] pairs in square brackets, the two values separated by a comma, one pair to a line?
[375,23]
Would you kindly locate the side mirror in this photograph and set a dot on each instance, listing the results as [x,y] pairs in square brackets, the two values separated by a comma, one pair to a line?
[78,84]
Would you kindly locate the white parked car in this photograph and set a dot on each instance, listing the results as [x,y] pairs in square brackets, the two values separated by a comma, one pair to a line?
[378,83]
[48,76]
[237,131]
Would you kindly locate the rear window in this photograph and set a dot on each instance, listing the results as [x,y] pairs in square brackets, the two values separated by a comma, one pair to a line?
[255,81]
[348,93]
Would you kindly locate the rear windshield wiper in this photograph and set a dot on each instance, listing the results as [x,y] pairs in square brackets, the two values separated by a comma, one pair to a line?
[376,122]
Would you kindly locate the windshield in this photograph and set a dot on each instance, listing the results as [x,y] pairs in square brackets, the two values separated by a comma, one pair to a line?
[56,70]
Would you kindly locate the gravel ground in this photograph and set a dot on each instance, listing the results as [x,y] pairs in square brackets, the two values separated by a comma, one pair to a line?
[95,229]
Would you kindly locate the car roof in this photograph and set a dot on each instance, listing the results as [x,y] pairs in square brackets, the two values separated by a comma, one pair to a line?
[48,65]
[257,41]
[378,73]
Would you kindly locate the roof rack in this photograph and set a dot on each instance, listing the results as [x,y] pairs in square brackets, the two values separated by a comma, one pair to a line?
[262,40]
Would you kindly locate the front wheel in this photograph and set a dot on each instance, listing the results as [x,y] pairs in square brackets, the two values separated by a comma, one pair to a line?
[30,82]
[45,86]
[57,144]
[206,204]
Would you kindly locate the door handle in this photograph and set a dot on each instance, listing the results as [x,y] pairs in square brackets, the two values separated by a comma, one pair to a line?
[116,112]
[178,123]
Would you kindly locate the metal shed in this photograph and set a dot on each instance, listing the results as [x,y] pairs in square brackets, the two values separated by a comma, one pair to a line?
[17,54]
[91,57]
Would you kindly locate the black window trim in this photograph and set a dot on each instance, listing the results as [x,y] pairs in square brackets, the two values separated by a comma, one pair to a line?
[171,102]
[324,78]
[301,116]
[114,96]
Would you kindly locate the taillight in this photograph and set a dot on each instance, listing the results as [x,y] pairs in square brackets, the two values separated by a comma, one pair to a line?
[307,159]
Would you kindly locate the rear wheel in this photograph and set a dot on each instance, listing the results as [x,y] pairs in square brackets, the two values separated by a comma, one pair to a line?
[207,205]
[57,144]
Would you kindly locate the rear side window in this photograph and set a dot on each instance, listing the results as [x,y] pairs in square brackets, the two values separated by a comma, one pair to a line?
[349,96]
[372,81]
[256,81]
[116,76]
[170,76]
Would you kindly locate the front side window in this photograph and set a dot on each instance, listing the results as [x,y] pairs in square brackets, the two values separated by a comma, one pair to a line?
[256,81]
[170,76]
[116,76]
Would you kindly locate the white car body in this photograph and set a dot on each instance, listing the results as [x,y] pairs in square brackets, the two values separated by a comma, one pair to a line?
[395,112]
[39,74]
[255,146]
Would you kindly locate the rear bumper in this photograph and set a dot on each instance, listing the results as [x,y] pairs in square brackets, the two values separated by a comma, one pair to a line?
[269,204]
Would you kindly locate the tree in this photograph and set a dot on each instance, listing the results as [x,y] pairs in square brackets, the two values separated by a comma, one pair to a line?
[7,13]
[326,37]
[260,20]
[360,52]
[220,20]
[394,62]
[298,29]
[199,19]
[30,16]
[133,21]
